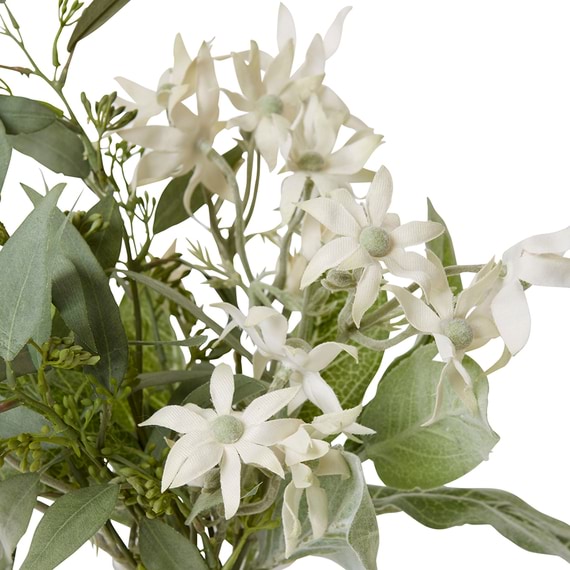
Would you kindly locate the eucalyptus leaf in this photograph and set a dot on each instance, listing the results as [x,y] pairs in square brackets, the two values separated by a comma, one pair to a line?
[407,455]
[21,365]
[442,246]
[162,547]
[205,502]
[24,116]
[68,523]
[5,154]
[193,341]
[25,279]
[19,420]
[197,375]
[447,507]
[93,17]
[17,500]
[351,539]
[57,147]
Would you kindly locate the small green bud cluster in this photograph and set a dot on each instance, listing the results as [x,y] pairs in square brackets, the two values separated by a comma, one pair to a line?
[337,280]
[64,353]
[28,450]
[88,225]
[105,116]
[4,235]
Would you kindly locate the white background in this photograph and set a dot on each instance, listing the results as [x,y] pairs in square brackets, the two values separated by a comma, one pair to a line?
[473,101]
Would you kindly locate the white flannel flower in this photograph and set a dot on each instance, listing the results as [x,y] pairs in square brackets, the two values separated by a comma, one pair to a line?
[312,155]
[184,145]
[175,85]
[369,238]
[224,437]
[537,260]
[457,324]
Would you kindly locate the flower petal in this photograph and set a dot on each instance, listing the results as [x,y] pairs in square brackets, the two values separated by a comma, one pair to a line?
[222,389]
[332,215]
[320,393]
[267,405]
[258,455]
[317,502]
[285,27]
[367,291]
[414,233]
[476,292]
[512,316]
[352,157]
[157,137]
[177,418]
[412,265]
[546,270]
[267,141]
[379,196]
[155,166]
[333,463]
[289,517]
[279,70]
[417,312]
[323,354]
[345,198]
[230,481]
[334,33]
[272,431]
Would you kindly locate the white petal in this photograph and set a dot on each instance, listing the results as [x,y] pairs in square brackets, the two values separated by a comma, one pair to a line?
[476,292]
[352,157]
[360,258]
[330,255]
[555,242]
[345,198]
[320,393]
[512,316]
[332,215]
[267,142]
[334,33]
[323,354]
[155,166]
[258,455]
[259,363]
[417,312]
[157,137]
[289,517]
[222,389]
[379,196]
[207,92]
[317,502]
[546,270]
[272,431]
[414,233]
[412,265]
[367,291]
[285,27]
[302,476]
[333,463]
[279,70]
[333,423]
[177,418]
[291,190]
[230,481]
[267,405]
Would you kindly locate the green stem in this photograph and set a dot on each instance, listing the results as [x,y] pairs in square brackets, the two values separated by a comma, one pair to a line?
[382,345]
[233,559]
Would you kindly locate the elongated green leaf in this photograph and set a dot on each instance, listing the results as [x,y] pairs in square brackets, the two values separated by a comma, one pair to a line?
[5,154]
[407,455]
[351,539]
[194,341]
[162,547]
[442,246]
[25,279]
[179,299]
[68,523]
[513,518]
[24,116]
[197,375]
[17,500]
[22,364]
[93,17]
[56,147]
[20,420]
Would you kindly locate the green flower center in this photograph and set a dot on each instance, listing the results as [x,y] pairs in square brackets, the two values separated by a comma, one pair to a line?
[227,429]
[311,162]
[375,241]
[269,105]
[459,332]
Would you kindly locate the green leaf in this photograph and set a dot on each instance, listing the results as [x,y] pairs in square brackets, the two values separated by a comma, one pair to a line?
[56,147]
[69,522]
[106,244]
[407,455]
[17,500]
[25,279]
[162,547]
[93,17]
[170,209]
[24,116]
[5,154]
[352,537]
[513,518]
[442,246]
[245,387]
[20,420]
[197,375]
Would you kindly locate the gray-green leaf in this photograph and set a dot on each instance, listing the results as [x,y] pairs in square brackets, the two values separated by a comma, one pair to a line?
[513,518]
[71,520]
[352,537]
[24,116]
[17,500]
[20,420]
[407,455]
[5,154]
[162,547]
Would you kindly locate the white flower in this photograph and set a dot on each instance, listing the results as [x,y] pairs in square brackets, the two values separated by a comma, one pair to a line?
[224,436]
[457,325]
[537,260]
[312,155]
[184,145]
[370,238]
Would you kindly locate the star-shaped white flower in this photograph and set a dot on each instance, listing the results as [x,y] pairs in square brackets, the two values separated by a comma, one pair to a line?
[225,437]
[369,238]
[538,260]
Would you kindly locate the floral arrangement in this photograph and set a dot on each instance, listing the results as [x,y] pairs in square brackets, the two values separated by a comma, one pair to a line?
[230,434]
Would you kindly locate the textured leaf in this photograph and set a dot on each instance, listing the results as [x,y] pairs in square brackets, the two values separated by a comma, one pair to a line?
[352,537]
[407,455]
[56,147]
[17,500]
[5,154]
[513,518]
[23,116]
[93,17]
[205,502]
[442,246]
[20,420]
[25,279]
[71,520]
[162,547]
[197,375]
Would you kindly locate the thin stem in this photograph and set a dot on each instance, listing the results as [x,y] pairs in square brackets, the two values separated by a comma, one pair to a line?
[255,190]
[126,556]
[232,560]
[381,345]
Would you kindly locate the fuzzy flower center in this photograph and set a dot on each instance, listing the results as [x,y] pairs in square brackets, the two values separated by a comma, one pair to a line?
[459,332]
[227,429]
[269,105]
[375,241]
[311,162]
